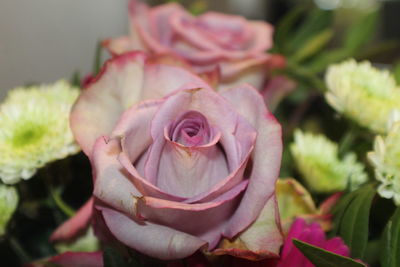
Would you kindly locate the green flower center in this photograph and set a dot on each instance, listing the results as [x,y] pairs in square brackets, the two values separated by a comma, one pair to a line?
[28,134]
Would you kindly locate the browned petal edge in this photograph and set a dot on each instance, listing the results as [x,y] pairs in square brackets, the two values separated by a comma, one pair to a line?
[238,249]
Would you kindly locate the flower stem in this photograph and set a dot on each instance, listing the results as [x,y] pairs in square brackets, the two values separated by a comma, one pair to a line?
[347,140]
[19,250]
[64,207]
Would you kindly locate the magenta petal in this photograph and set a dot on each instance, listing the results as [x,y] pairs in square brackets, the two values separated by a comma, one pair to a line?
[74,259]
[266,156]
[152,239]
[336,245]
[75,225]
[312,234]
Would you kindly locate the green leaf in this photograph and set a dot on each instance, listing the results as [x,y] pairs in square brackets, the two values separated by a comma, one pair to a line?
[386,47]
[324,59]
[113,258]
[361,32]
[355,221]
[339,210]
[396,72]
[316,21]
[97,59]
[313,45]
[285,27]
[323,258]
[390,242]
[76,79]
[198,7]
[304,76]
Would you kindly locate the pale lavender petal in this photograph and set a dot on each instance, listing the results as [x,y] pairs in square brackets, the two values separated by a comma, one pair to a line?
[111,185]
[142,184]
[205,220]
[135,124]
[186,172]
[266,156]
[156,240]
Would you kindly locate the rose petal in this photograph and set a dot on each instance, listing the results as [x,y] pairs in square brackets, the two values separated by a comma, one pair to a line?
[237,135]
[111,185]
[121,45]
[205,220]
[266,156]
[152,239]
[139,16]
[276,89]
[98,108]
[75,225]
[259,240]
[161,80]
[187,172]
[133,124]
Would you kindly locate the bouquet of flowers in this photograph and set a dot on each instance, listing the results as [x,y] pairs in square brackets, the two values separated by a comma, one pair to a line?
[203,142]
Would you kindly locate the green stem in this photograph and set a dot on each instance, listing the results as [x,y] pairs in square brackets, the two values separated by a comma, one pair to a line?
[64,207]
[19,250]
[55,194]
[347,140]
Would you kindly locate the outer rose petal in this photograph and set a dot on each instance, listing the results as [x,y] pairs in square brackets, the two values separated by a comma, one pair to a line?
[276,89]
[75,225]
[152,239]
[98,108]
[259,240]
[120,45]
[124,81]
[266,157]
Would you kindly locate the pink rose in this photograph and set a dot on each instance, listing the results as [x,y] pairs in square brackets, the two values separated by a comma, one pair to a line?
[183,172]
[234,45]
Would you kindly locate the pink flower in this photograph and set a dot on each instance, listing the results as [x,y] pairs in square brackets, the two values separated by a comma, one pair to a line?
[176,174]
[290,255]
[71,259]
[234,45]
[312,234]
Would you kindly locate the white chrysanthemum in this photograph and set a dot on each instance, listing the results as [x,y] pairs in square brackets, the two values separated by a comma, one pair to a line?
[34,129]
[318,162]
[386,160]
[8,204]
[362,93]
